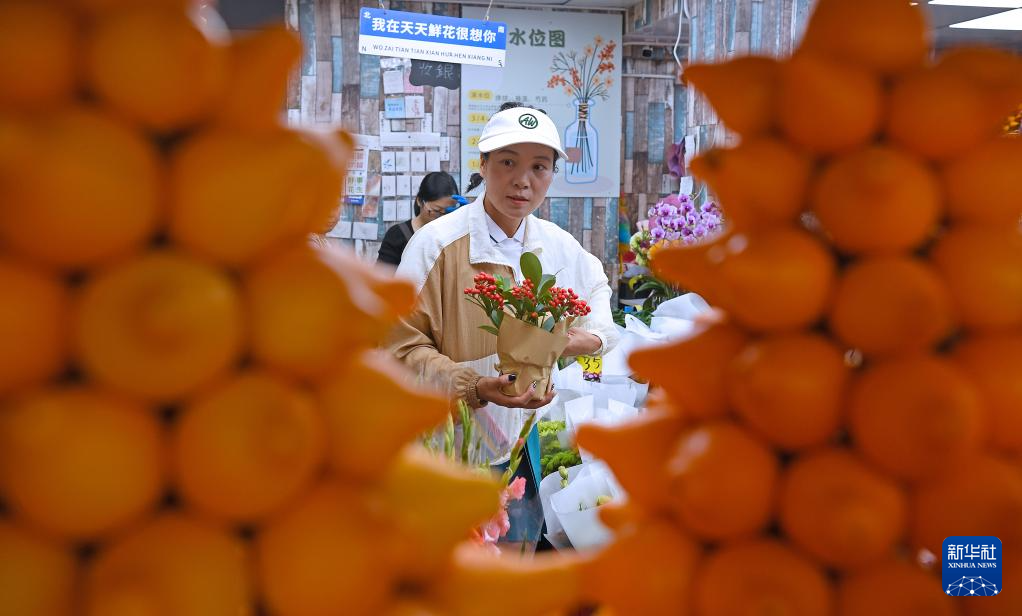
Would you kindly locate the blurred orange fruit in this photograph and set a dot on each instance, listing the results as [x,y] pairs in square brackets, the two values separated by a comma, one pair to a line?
[174,564]
[362,441]
[240,197]
[37,43]
[79,463]
[124,49]
[96,7]
[324,555]
[300,310]
[997,71]
[546,584]
[660,590]
[158,326]
[994,363]
[842,512]
[630,447]
[691,266]
[980,185]
[34,314]
[775,279]
[249,446]
[433,503]
[979,496]
[83,189]
[790,389]
[722,481]
[945,98]
[891,305]
[257,78]
[741,90]
[759,181]
[877,200]
[760,577]
[982,267]
[693,370]
[898,37]
[915,417]
[374,290]
[894,588]
[826,106]
[38,577]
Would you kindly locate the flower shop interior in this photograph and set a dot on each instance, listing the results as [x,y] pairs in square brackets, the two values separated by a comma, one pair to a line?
[757,351]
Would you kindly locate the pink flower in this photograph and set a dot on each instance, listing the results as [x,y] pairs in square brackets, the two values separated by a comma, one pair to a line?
[516,490]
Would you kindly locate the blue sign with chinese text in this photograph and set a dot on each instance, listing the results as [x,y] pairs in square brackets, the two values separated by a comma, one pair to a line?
[422,36]
[971,566]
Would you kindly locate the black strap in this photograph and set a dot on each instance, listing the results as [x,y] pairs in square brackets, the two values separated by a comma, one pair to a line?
[406,230]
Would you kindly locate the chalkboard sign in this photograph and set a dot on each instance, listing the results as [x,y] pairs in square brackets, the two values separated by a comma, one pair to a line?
[439,74]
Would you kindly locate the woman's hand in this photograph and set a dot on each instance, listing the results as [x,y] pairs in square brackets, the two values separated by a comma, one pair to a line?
[488,390]
[581,342]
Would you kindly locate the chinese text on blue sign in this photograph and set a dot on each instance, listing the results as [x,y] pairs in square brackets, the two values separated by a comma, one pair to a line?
[422,36]
[972,566]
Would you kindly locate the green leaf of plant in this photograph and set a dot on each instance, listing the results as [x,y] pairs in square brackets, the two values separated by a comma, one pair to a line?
[547,282]
[532,268]
[548,325]
[489,328]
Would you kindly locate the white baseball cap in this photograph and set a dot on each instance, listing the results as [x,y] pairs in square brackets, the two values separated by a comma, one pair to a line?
[520,125]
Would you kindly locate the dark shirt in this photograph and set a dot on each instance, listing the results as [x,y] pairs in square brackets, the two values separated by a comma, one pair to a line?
[394,242]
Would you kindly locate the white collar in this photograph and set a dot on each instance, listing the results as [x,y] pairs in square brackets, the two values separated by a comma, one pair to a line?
[481,248]
[498,234]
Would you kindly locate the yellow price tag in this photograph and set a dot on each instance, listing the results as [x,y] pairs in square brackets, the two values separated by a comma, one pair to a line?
[480,95]
[473,165]
[477,118]
[473,141]
[592,367]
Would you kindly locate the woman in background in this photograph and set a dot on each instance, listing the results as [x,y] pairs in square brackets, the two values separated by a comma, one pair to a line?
[435,196]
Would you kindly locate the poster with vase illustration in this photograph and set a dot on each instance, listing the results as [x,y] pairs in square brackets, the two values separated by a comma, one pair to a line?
[568,64]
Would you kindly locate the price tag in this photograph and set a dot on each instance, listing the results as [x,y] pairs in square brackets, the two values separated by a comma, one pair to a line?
[592,367]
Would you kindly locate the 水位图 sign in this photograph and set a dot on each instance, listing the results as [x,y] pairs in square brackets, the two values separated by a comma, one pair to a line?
[569,65]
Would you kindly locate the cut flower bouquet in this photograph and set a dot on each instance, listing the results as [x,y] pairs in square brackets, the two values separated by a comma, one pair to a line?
[530,320]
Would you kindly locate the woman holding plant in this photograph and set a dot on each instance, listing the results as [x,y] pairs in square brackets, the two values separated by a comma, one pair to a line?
[444,339]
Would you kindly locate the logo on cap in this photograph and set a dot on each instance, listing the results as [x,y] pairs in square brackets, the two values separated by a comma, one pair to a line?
[527,120]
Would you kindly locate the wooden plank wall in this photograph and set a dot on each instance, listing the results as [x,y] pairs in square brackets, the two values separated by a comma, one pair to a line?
[723,29]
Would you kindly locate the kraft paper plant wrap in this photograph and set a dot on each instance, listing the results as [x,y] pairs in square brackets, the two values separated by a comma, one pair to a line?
[529,352]
[535,335]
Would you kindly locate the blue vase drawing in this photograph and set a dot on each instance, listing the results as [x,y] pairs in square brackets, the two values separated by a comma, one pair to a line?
[582,143]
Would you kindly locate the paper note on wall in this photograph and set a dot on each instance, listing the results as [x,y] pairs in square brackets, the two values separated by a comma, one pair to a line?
[389,210]
[418,162]
[401,162]
[404,209]
[387,162]
[341,230]
[365,231]
[394,108]
[394,82]
[433,161]
[415,107]
[404,185]
[388,187]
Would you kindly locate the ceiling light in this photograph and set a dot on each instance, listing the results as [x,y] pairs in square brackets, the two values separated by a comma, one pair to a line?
[1008,20]
[993,4]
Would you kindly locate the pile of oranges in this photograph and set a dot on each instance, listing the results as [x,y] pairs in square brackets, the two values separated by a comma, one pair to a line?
[193,421]
[859,396]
